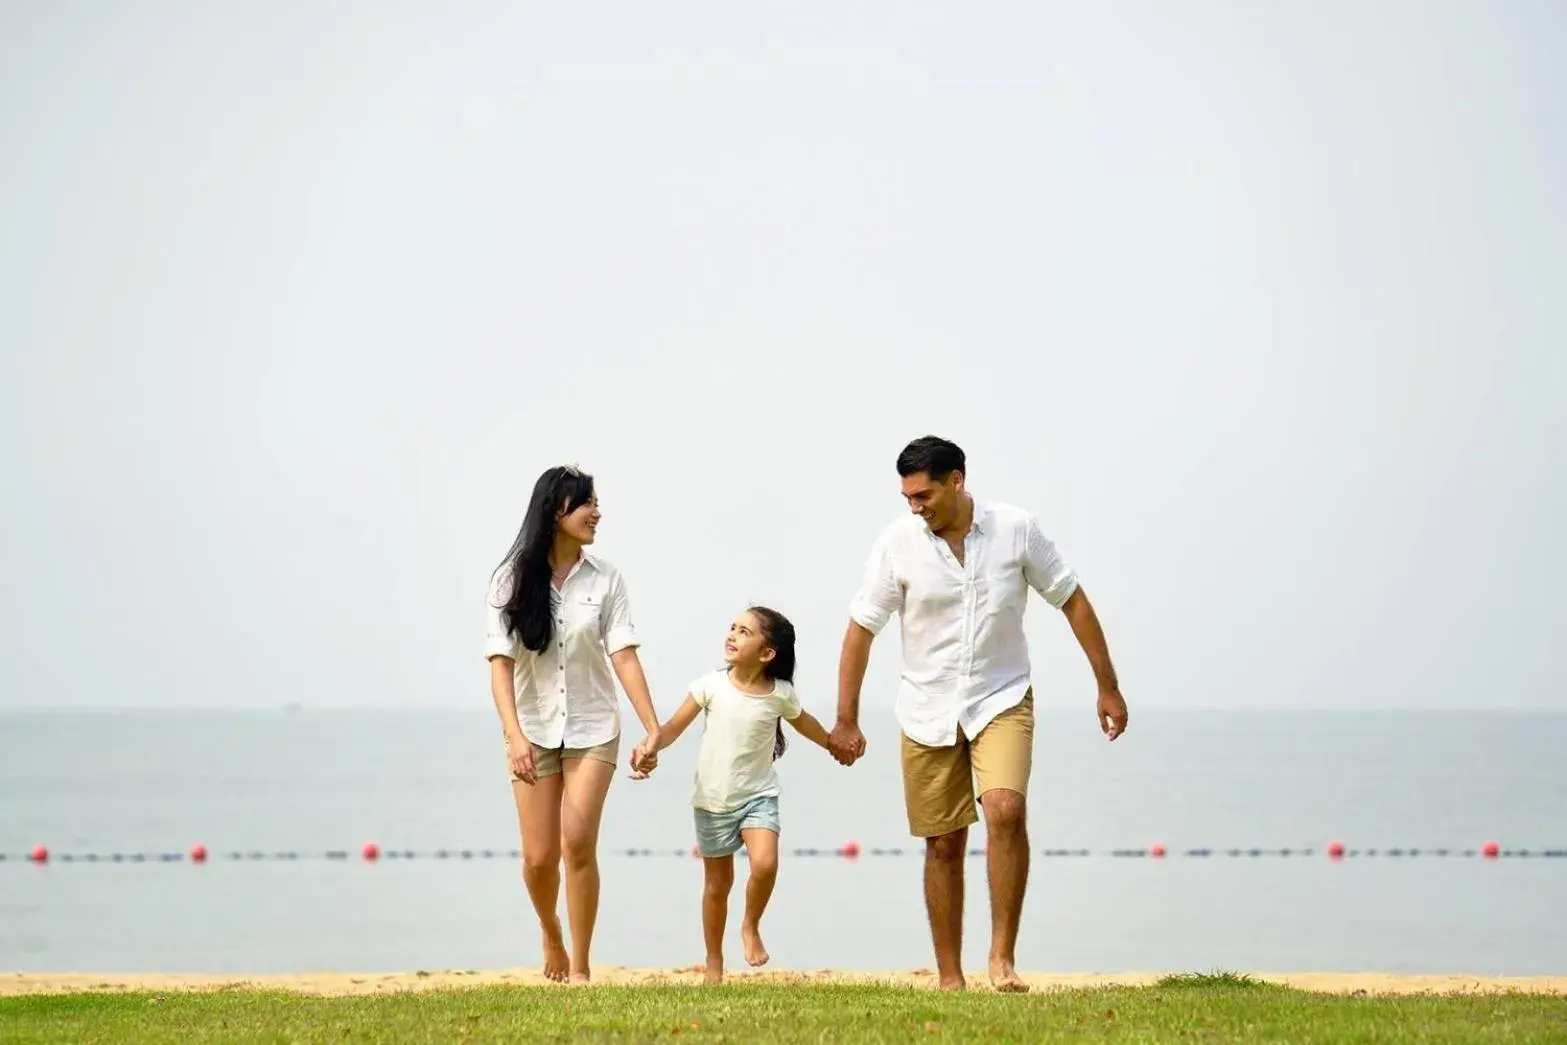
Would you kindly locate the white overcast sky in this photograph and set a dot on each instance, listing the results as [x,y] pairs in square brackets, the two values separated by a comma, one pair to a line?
[1260,308]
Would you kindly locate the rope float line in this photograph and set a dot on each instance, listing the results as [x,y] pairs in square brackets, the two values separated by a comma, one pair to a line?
[370,852]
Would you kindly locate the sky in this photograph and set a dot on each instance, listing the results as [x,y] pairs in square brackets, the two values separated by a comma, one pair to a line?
[1261,309]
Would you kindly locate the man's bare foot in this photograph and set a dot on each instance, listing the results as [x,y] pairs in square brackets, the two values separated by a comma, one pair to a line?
[556,961]
[954,982]
[1004,978]
[580,979]
[714,974]
[755,953]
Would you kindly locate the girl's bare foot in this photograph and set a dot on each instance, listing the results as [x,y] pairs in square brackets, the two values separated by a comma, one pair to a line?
[755,953]
[556,961]
[1005,979]
[715,971]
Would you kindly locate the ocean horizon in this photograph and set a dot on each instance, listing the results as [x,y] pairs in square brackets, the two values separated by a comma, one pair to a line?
[1244,807]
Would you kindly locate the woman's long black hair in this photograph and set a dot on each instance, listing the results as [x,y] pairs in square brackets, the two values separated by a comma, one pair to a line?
[527,610]
[778,634]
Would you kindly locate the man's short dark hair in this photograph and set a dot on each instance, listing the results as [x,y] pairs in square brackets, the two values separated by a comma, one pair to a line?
[934,456]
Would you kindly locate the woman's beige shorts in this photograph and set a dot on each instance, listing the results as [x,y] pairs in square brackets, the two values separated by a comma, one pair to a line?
[546,761]
[938,782]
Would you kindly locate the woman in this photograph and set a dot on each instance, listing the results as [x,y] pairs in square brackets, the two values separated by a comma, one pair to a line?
[558,619]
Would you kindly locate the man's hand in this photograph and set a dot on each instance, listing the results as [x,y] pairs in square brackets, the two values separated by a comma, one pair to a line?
[1085,626]
[1112,713]
[846,742]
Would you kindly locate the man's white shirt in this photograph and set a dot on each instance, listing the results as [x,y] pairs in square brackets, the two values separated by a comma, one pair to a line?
[965,660]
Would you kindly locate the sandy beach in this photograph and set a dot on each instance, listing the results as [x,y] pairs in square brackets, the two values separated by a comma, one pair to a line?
[339,983]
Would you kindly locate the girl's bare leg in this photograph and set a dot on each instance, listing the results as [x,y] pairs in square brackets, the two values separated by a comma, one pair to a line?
[718,878]
[762,846]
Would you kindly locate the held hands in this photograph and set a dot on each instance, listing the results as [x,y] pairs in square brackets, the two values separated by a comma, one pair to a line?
[644,758]
[846,742]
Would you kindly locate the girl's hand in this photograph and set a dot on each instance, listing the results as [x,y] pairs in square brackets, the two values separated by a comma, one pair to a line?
[519,752]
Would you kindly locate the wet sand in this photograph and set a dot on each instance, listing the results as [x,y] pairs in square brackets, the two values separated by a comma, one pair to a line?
[341,983]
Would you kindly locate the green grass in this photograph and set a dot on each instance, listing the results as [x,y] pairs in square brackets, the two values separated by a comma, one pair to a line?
[1206,1008]
[1209,979]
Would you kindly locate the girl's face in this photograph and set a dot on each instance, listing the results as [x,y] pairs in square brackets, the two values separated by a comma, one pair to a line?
[580,522]
[745,645]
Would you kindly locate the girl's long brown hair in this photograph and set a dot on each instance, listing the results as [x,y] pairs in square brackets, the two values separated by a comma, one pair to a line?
[778,634]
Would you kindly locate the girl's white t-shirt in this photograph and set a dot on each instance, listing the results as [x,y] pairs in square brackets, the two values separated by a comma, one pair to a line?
[735,762]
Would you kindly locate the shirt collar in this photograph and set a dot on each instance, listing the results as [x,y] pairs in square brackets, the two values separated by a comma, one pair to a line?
[981,513]
[587,562]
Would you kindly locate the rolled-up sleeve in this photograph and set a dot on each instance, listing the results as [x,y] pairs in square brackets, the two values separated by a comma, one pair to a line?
[1043,567]
[615,621]
[498,639]
[880,595]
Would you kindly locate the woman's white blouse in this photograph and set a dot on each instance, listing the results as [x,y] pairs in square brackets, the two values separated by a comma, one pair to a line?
[566,694]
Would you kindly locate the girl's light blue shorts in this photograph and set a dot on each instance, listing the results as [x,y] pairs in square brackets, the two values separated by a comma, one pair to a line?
[718,834]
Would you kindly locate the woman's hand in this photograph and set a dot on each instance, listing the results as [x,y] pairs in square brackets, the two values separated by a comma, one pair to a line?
[519,752]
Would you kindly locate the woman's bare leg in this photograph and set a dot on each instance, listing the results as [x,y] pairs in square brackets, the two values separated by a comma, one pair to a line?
[538,818]
[587,783]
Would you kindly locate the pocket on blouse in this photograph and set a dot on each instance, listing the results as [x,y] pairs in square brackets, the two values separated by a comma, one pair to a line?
[587,611]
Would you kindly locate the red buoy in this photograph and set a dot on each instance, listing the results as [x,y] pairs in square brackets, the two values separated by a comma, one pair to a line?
[39,855]
[1336,850]
[371,851]
[198,853]
[1156,850]
[1490,850]
[851,850]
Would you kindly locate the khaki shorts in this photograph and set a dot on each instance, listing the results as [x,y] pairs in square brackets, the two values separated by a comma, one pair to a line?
[546,761]
[938,782]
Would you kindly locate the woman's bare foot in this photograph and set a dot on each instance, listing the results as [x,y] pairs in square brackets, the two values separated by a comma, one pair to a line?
[556,961]
[1005,979]
[755,953]
[714,973]
[580,979]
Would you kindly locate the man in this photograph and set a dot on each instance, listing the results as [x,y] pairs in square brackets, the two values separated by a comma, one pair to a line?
[958,574]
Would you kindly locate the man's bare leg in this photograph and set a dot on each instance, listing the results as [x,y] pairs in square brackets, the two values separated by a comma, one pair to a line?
[1006,823]
[944,904]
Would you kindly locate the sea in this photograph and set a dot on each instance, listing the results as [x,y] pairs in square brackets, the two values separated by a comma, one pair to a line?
[1243,803]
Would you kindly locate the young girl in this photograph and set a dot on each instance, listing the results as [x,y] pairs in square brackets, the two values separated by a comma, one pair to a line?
[736,796]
